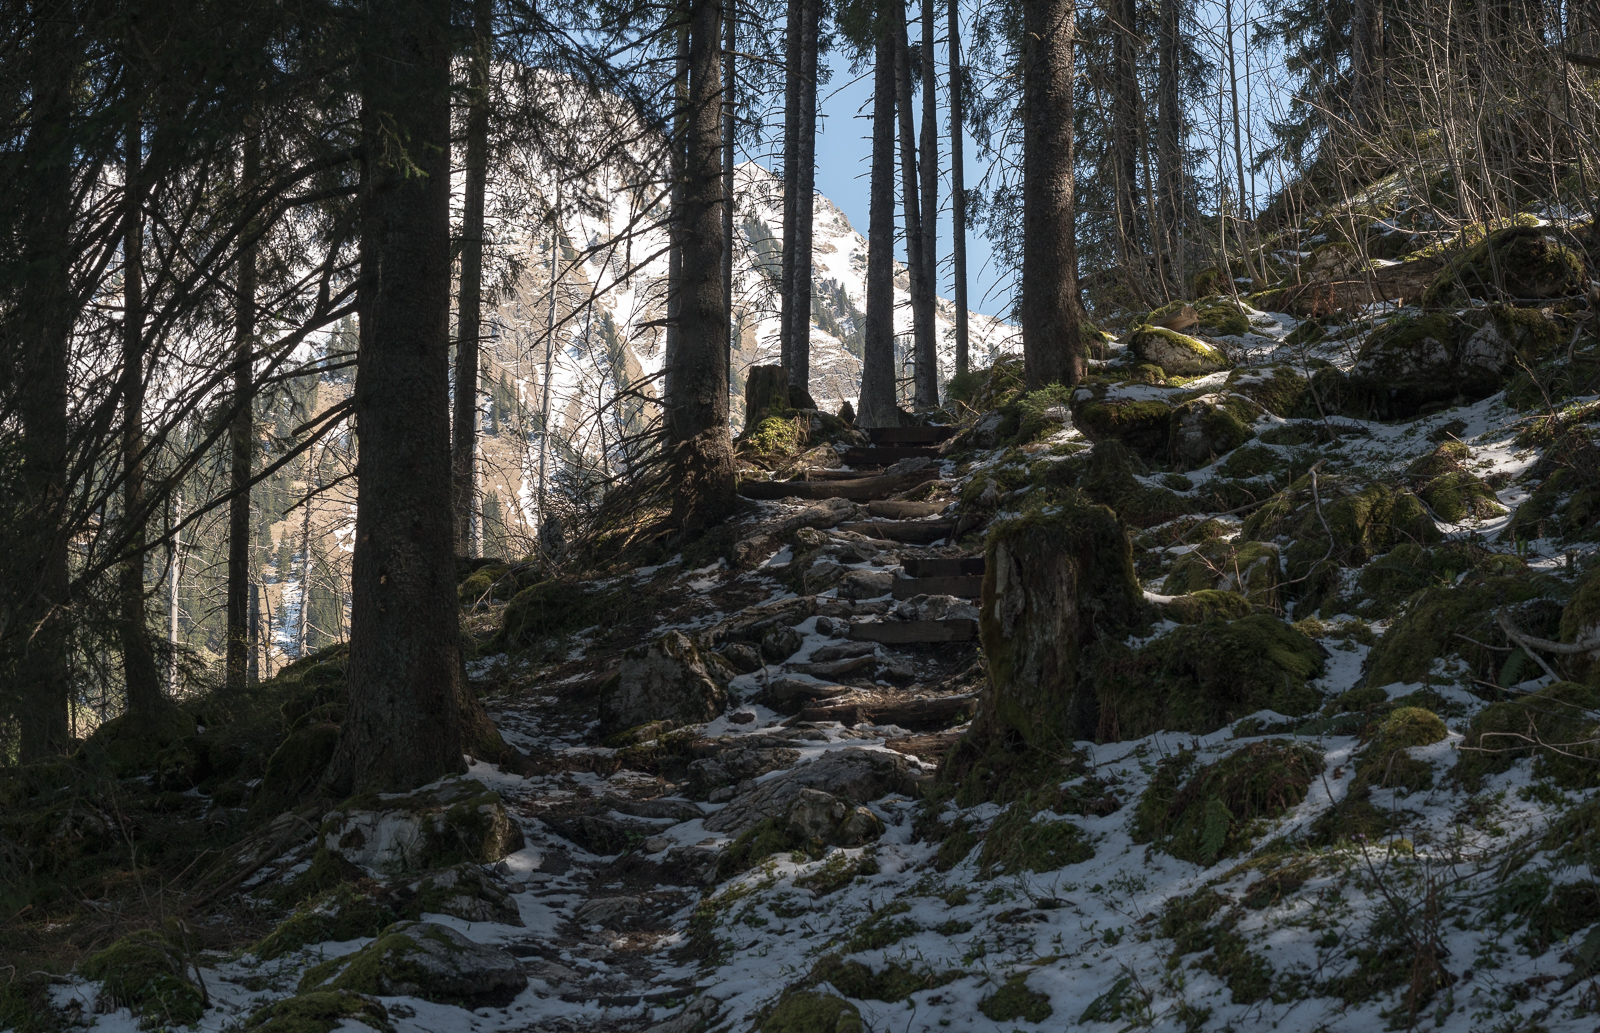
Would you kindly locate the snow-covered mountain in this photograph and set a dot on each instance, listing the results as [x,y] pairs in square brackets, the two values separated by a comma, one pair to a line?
[608,340]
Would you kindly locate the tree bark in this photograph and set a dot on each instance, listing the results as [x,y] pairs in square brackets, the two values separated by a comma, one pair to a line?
[1362,63]
[404,727]
[469,310]
[1129,129]
[1169,139]
[141,677]
[877,407]
[730,23]
[241,443]
[697,418]
[799,187]
[680,121]
[925,353]
[958,191]
[1052,344]
[930,197]
[38,639]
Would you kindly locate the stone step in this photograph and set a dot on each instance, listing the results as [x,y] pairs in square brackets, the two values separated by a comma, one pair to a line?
[969,587]
[944,566]
[910,532]
[891,510]
[910,435]
[887,454]
[897,633]
[857,489]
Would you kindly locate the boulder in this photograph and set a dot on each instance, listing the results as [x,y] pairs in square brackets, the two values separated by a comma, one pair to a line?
[817,816]
[757,547]
[731,767]
[986,433]
[665,680]
[465,891]
[422,959]
[1531,261]
[866,584]
[1210,426]
[1142,425]
[781,642]
[608,912]
[1176,353]
[935,608]
[457,820]
[852,774]
[321,1011]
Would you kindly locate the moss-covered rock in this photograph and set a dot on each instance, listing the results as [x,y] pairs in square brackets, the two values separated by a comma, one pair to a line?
[294,769]
[1221,316]
[1387,762]
[321,1011]
[148,974]
[1217,810]
[1209,426]
[454,821]
[1252,569]
[344,913]
[1555,726]
[132,742]
[1207,604]
[1433,622]
[1531,262]
[1460,496]
[1200,677]
[811,1011]
[1281,390]
[1013,1000]
[465,891]
[1176,353]
[1057,583]
[1143,425]
[1109,479]
[421,959]
[1449,457]
[893,982]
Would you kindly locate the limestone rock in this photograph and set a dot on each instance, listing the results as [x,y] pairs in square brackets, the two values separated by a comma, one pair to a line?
[865,584]
[1210,426]
[935,608]
[666,680]
[733,766]
[608,912]
[457,820]
[1176,353]
[852,774]
[467,892]
[986,434]
[781,642]
[422,959]
[822,817]
[320,1009]
[700,1013]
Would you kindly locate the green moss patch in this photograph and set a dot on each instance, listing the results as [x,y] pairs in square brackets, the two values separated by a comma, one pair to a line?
[346,913]
[1387,763]
[148,974]
[1216,811]
[1014,1001]
[893,982]
[1555,726]
[809,1011]
[1019,842]
[1433,623]
[1530,261]
[1200,677]
[1142,426]
[321,1011]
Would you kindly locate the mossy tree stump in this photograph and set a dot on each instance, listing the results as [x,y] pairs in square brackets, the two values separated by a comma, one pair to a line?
[1056,583]
[766,391]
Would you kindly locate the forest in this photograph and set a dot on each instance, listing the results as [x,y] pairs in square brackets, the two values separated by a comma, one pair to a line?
[487,544]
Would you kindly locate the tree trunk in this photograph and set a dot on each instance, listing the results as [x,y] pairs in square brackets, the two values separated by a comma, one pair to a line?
[301,636]
[1052,344]
[799,187]
[1128,129]
[958,191]
[403,728]
[469,309]
[141,676]
[730,77]
[241,443]
[766,391]
[1169,140]
[925,354]
[697,419]
[877,406]
[680,121]
[930,198]
[39,642]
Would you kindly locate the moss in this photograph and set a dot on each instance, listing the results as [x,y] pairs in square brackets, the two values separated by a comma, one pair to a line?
[1208,604]
[548,611]
[478,584]
[1109,479]
[1532,263]
[838,871]
[1206,281]
[1200,677]
[1248,975]
[346,913]
[319,1012]
[1184,920]
[1032,413]
[776,435]
[1017,842]
[893,982]
[1385,584]
[1580,618]
[769,836]
[1455,497]
[148,974]
[1222,317]
[1429,627]
[1555,381]
[1013,1001]
[1449,457]
[1554,726]
[1143,426]
[294,770]
[1210,426]
[132,742]
[1213,814]
[809,1011]
[1174,352]
[1250,568]
[885,927]
[1253,461]
[1386,762]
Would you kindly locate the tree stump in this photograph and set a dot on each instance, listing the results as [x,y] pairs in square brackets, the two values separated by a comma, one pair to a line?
[1055,585]
[766,390]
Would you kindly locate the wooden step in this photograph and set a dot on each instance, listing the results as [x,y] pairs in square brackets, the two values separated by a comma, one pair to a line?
[901,633]
[885,455]
[960,587]
[859,489]
[910,435]
[940,566]
[911,532]
[890,510]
